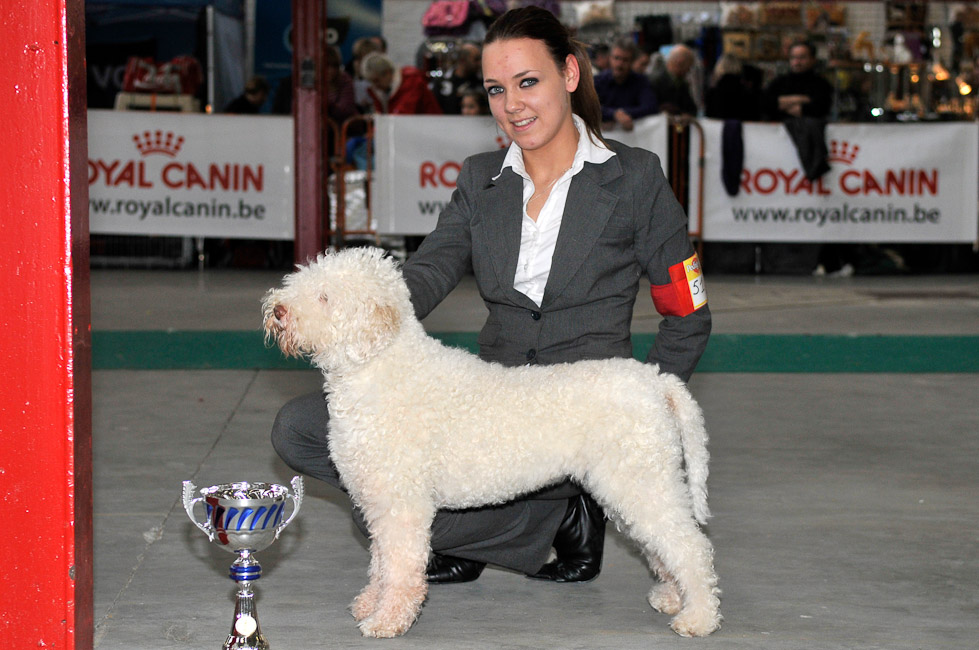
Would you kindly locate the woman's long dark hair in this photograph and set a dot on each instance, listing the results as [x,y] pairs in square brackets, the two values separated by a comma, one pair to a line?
[541,25]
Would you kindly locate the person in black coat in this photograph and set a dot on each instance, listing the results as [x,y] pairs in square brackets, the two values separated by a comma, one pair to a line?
[731,96]
[671,86]
[802,92]
[250,101]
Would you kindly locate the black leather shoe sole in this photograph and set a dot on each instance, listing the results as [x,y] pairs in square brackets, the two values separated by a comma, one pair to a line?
[558,571]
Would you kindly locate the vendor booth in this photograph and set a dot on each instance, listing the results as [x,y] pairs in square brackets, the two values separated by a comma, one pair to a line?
[210,31]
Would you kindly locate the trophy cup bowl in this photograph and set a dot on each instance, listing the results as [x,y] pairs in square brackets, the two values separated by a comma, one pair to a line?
[244,518]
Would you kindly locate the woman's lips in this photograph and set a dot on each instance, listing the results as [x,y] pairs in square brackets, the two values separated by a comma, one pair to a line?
[521,125]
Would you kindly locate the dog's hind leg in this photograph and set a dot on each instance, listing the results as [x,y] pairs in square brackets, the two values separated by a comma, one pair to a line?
[366,602]
[687,556]
[400,539]
[686,565]
[653,508]
[664,597]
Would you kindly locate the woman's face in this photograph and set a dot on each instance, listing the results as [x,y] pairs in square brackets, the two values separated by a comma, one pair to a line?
[529,95]
[470,106]
[384,81]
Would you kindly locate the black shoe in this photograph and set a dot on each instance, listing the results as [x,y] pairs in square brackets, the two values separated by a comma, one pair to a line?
[444,569]
[579,543]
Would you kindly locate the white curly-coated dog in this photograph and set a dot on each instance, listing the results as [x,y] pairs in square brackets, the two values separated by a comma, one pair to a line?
[417,426]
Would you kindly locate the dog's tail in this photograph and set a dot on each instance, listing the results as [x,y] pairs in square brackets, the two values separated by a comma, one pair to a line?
[693,435]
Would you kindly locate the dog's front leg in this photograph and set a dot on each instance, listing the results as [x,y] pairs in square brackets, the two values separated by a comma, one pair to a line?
[399,547]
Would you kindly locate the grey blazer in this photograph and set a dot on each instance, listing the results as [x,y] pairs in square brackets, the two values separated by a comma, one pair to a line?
[621,220]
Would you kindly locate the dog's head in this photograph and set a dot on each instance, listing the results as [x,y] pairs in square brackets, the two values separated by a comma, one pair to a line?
[342,308]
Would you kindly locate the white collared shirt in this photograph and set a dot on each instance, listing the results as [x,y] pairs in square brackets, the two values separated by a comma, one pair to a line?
[538,238]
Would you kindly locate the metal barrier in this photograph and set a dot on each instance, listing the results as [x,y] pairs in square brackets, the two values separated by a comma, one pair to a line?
[342,167]
[334,160]
[679,153]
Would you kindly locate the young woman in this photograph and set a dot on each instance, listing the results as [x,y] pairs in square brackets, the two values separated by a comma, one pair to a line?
[558,230]
[472,101]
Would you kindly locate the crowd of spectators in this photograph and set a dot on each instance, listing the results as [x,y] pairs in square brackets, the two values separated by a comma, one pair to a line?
[676,80]
[631,83]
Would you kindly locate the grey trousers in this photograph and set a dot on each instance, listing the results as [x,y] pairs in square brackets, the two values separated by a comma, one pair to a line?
[516,535]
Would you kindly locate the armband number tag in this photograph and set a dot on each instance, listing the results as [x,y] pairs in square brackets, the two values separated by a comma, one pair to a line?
[685,293]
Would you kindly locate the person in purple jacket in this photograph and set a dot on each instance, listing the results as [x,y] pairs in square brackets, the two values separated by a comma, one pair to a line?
[625,95]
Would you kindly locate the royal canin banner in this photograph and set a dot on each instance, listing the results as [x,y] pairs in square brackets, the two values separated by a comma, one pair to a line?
[190,175]
[887,183]
[419,159]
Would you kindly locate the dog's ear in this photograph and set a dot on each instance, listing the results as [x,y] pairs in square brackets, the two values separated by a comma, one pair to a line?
[384,320]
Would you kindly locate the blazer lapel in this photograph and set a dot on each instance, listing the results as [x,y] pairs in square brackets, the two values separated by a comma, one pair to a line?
[586,212]
[502,207]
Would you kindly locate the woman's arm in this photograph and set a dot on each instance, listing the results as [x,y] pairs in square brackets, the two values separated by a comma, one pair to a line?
[446,253]
[667,256]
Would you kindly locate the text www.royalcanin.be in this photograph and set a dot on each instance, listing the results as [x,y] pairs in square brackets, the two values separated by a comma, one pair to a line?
[211,209]
[846,213]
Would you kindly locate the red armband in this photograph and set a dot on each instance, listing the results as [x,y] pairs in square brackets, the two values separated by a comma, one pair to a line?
[685,293]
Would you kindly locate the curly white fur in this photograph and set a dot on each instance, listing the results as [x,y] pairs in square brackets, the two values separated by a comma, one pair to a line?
[416,426]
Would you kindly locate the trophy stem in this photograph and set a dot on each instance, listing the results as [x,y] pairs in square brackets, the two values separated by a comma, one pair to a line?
[246,633]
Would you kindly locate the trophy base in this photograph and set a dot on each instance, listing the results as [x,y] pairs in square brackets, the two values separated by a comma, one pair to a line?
[237,642]
[246,633]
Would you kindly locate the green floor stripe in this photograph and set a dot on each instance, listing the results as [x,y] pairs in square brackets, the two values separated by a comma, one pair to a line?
[794,353]
[236,350]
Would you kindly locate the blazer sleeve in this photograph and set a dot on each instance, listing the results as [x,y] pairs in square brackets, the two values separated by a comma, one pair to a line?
[662,242]
[445,255]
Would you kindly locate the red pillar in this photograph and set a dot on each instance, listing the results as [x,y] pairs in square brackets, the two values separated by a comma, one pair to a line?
[309,40]
[45,366]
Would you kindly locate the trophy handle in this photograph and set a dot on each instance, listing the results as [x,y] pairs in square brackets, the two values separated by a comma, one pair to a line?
[298,490]
[189,502]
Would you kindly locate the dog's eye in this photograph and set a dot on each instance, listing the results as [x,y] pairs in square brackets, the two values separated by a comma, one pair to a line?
[324,298]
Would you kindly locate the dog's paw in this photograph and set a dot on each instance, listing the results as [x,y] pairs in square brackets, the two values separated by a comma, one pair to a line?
[395,613]
[380,627]
[665,598]
[690,623]
[365,604]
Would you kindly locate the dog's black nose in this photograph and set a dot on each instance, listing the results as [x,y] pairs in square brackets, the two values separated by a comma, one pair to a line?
[279,312]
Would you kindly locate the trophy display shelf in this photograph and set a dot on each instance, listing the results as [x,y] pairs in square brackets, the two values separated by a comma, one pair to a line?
[157,102]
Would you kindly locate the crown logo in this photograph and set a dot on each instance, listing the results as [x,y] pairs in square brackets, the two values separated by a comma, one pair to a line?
[843,151]
[151,142]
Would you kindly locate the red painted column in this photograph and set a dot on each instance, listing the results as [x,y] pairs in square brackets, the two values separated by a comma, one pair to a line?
[308,37]
[45,368]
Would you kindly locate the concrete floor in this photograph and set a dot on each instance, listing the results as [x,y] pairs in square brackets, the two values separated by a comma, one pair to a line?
[845,505]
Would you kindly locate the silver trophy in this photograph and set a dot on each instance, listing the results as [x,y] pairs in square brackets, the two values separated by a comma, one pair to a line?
[244,518]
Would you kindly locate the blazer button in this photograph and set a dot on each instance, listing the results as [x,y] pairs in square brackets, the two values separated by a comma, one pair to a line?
[531,354]
[535,315]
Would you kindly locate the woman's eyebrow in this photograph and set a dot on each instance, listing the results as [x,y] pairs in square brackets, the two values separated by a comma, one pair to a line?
[516,76]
